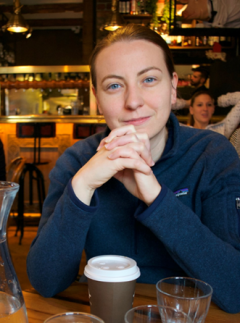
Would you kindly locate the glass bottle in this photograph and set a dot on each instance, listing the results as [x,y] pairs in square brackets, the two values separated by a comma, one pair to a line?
[12,305]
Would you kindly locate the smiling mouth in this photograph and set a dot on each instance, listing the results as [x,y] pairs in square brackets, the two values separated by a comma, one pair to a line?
[137,121]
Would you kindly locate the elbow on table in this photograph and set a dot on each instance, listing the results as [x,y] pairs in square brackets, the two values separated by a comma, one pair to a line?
[230,305]
[44,287]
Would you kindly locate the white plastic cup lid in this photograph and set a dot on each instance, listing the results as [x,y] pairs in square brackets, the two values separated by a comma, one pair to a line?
[111,268]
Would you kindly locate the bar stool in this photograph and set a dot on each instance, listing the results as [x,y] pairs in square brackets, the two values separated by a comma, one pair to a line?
[36,131]
[15,174]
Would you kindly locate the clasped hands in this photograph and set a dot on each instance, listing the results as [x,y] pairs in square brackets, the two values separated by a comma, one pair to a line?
[124,154]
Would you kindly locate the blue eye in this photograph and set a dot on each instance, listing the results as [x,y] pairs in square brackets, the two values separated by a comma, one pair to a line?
[149,80]
[114,86]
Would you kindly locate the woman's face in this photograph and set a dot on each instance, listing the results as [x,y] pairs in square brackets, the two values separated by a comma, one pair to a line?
[202,109]
[134,86]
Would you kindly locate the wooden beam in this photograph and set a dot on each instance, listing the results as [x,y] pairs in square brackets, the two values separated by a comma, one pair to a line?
[45,8]
[88,30]
[54,22]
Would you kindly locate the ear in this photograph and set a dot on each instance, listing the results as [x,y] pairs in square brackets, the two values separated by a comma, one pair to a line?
[96,97]
[202,80]
[191,110]
[174,88]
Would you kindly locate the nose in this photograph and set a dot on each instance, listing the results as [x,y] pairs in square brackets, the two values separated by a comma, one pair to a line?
[134,98]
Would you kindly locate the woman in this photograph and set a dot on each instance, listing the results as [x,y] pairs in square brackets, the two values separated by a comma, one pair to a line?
[203,104]
[146,188]
[201,110]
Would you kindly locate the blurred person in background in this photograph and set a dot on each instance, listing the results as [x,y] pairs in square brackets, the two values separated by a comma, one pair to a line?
[213,13]
[201,110]
[199,78]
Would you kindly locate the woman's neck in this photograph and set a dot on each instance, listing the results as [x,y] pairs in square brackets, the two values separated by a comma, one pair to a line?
[200,125]
[158,144]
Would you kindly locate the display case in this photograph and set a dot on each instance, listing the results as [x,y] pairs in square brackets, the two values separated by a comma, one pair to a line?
[41,91]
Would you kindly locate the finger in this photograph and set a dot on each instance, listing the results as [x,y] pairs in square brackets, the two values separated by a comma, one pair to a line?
[118,132]
[131,150]
[102,143]
[129,138]
[145,139]
[132,163]
[122,141]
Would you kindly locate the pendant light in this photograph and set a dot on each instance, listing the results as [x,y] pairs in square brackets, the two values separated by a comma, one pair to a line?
[115,20]
[17,23]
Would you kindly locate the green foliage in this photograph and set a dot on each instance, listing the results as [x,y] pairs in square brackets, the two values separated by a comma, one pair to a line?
[166,14]
[151,8]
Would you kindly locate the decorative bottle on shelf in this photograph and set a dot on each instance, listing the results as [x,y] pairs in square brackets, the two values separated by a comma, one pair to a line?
[127,6]
[121,6]
[133,7]
[12,307]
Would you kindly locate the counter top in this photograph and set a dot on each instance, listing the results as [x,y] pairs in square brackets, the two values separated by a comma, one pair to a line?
[53,118]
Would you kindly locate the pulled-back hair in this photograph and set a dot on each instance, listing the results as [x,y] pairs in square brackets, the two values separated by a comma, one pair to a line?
[195,95]
[129,33]
[193,98]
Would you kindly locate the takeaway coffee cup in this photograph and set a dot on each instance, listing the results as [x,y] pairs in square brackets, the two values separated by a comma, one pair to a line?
[111,286]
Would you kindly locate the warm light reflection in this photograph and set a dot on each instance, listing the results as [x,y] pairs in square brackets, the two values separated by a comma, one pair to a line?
[16,29]
[112,28]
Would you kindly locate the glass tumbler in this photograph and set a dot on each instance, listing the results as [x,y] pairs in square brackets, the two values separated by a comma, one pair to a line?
[189,295]
[74,317]
[155,314]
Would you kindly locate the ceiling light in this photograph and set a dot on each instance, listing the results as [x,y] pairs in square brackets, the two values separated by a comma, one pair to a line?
[17,23]
[115,20]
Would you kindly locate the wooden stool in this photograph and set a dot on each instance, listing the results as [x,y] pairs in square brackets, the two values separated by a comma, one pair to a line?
[36,131]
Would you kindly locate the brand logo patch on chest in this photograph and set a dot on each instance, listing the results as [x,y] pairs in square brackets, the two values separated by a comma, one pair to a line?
[183,191]
[238,203]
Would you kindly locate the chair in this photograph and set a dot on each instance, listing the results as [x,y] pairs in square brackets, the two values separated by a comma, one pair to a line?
[235,140]
[84,130]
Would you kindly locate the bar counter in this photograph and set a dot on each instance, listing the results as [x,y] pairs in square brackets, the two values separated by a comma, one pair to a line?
[52,118]
[74,118]
[75,298]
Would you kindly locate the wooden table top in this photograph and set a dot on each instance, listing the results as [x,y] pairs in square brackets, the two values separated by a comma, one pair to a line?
[75,298]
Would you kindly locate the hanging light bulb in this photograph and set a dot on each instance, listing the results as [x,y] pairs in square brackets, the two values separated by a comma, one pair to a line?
[115,20]
[17,23]
[29,33]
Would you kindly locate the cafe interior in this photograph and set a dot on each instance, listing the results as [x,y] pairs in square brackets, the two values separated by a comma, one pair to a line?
[47,105]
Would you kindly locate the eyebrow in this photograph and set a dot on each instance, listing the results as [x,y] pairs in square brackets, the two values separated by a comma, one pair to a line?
[148,69]
[138,74]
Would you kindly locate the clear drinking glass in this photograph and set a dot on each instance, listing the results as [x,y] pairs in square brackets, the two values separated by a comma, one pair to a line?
[189,295]
[155,314]
[74,317]
[12,305]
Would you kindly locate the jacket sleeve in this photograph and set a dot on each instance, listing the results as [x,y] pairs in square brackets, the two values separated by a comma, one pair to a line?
[55,254]
[206,245]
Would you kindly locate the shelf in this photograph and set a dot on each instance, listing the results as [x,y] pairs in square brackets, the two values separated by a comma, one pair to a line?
[142,16]
[191,47]
[205,32]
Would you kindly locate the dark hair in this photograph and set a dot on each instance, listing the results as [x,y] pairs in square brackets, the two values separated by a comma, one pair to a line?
[129,33]
[203,70]
[193,98]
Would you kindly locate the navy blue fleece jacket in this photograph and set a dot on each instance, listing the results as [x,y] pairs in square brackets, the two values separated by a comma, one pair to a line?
[191,229]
